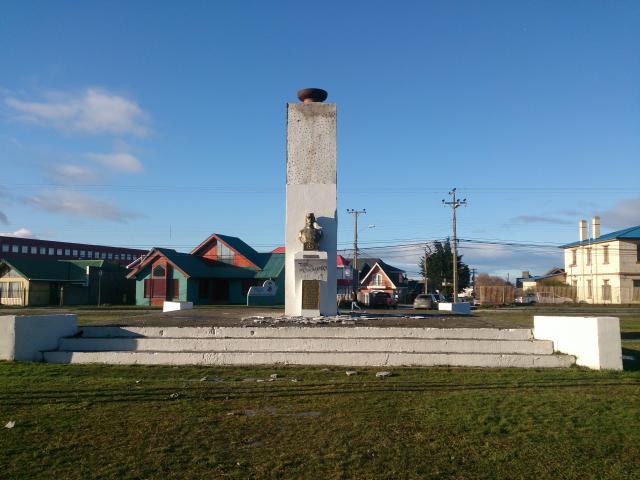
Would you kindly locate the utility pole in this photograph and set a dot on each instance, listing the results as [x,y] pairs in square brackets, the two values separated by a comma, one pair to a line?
[454,204]
[356,282]
[427,254]
[473,279]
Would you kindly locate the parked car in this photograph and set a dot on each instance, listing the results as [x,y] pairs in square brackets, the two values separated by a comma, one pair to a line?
[382,300]
[527,299]
[427,300]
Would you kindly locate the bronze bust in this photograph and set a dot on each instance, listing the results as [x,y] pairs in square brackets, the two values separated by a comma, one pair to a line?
[311,234]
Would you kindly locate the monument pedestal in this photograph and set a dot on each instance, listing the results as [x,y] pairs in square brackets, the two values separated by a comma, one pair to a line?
[311,268]
[311,189]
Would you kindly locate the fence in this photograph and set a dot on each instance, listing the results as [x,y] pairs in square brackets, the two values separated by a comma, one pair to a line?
[507,294]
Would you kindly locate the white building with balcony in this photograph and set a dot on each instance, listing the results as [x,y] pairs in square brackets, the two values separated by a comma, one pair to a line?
[604,268]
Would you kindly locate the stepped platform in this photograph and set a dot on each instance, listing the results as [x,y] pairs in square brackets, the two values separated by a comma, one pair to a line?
[296,344]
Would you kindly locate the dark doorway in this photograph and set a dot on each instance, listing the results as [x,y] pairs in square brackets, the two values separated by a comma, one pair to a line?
[220,290]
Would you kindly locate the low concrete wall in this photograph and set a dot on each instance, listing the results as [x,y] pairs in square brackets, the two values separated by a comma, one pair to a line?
[23,338]
[175,306]
[594,341]
[460,307]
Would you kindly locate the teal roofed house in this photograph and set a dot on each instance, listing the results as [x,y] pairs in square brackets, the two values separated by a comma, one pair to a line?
[39,282]
[218,271]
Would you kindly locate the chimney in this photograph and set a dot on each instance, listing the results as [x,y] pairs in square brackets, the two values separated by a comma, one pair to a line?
[595,227]
[582,230]
[525,274]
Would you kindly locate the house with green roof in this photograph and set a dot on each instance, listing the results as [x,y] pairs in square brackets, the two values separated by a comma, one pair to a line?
[218,271]
[604,268]
[40,282]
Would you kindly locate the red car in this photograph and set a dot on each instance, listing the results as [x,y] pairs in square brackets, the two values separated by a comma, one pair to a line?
[382,300]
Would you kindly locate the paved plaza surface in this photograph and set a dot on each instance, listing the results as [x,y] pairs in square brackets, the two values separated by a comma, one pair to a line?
[268,317]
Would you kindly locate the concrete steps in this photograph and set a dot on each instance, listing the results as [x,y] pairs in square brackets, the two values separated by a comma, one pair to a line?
[344,346]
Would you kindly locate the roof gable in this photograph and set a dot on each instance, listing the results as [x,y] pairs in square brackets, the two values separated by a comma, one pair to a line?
[631,233]
[47,270]
[196,266]
[377,270]
[237,245]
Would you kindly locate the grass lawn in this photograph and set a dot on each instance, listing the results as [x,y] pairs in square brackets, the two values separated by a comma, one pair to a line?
[112,422]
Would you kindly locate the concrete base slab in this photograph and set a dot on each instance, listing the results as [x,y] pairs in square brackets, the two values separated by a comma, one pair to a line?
[176,306]
[310,332]
[24,337]
[280,344]
[362,359]
[595,341]
[462,308]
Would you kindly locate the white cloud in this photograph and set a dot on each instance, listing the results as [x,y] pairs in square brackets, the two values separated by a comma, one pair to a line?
[625,213]
[78,204]
[122,162]
[69,173]
[527,219]
[92,111]
[20,233]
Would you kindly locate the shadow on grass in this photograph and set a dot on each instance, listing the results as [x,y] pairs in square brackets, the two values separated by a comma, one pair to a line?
[238,392]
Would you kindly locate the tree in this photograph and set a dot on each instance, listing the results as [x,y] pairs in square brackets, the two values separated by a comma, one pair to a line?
[440,268]
[486,280]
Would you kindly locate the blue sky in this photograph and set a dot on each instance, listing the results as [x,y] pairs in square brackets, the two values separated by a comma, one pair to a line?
[156,123]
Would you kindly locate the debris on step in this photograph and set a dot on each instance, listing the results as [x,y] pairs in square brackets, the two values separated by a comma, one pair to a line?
[383,374]
[10,424]
[350,373]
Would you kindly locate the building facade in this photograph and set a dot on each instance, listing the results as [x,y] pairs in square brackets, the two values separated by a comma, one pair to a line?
[604,268]
[218,271]
[378,276]
[33,248]
[36,282]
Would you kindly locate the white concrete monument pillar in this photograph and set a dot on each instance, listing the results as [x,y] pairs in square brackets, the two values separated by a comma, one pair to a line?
[311,188]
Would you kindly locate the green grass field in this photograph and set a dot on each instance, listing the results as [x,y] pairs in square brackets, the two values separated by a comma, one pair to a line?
[114,422]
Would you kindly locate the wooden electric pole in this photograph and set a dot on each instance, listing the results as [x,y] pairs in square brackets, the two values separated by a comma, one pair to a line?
[355,214]
[454,204]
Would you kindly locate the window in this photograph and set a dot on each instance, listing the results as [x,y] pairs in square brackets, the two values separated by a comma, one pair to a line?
[606,290]
[588,256]
[116,256]
[589,289]
[51,250]
[89,254]
[14,248]
[110,256]
[155,287]
[574,257]
[11,290]
[159,271]
[104,255]
[67,252]
[638,253]
[5,247]
[59,251]
[75,253]
[34,250]
[83,254]
[225,254]
[43,251]
[605,254]
[25,249]
[377,280]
